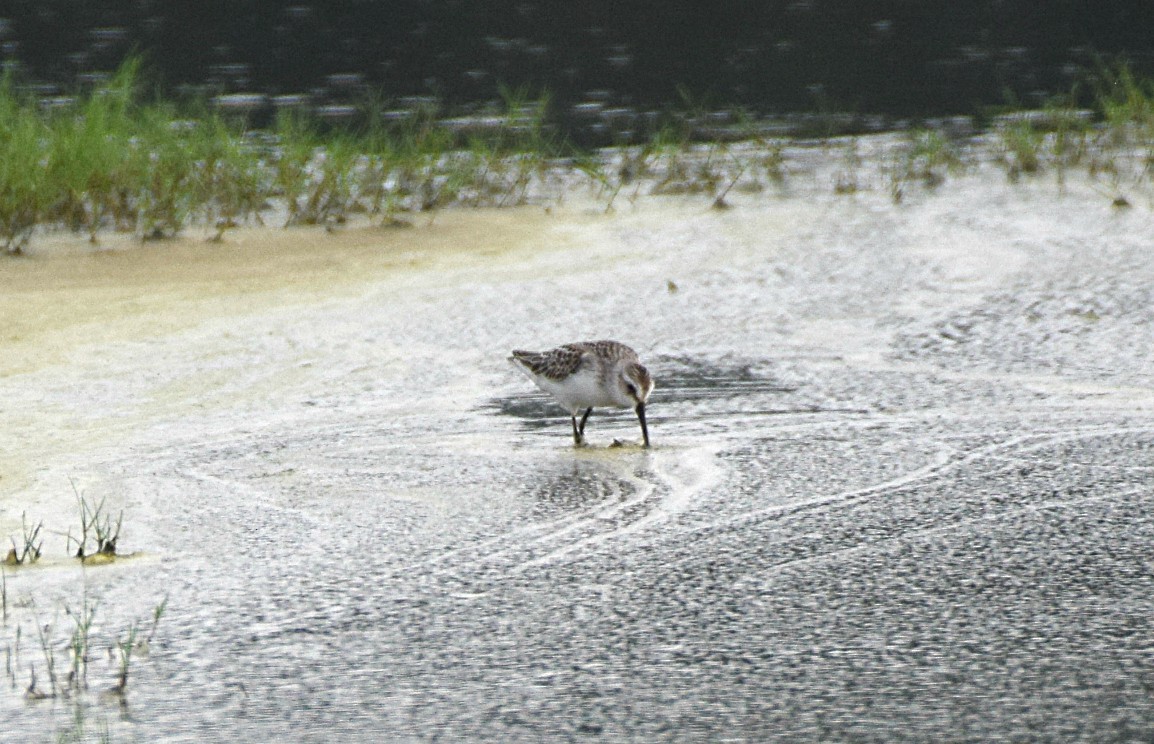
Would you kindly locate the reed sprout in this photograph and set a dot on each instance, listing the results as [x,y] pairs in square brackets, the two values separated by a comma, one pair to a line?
[98,532]
[79,644]
[124,649]
[44,635]
[28,550]
[44,681]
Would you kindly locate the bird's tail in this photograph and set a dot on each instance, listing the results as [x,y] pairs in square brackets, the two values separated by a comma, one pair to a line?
[526,361]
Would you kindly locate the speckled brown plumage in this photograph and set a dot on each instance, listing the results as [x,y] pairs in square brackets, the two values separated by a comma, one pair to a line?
[583,375]
[559,363]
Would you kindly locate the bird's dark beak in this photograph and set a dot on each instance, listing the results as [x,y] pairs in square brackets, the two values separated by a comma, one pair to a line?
[641,417]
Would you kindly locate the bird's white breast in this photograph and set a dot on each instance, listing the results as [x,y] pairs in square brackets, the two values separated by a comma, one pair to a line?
[582,390]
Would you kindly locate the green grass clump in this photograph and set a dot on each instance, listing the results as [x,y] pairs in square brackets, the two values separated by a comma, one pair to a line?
[1021,145]
[931,156]
[28,550]
[229,175]
[1114,137]
[24,195]
[98,532]
[926,156]
[1126,104]
[110,160]
[93,166]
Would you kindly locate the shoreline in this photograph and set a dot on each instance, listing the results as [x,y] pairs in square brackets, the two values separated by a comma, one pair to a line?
[111,163]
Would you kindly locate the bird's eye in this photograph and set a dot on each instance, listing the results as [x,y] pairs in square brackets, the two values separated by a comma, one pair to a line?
[632,389]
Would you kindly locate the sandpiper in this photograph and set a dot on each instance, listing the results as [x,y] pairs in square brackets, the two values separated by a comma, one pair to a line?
[584,375]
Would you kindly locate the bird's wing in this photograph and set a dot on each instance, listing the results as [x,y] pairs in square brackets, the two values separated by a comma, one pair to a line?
[556,364]
[612,350]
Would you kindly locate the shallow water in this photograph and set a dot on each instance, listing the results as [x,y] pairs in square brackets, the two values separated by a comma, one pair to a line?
[900,485]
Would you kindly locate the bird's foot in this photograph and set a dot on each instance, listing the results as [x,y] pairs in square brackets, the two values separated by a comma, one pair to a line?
[625,443]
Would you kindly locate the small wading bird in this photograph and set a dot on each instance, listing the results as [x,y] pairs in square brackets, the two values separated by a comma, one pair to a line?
[585,375]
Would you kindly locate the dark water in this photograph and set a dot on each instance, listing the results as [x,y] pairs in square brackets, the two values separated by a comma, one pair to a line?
[605,63]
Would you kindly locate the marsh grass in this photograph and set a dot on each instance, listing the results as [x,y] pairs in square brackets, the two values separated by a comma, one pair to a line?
[44,636]
[1126,104]
[326,191]
[1021,147]
[315,177]
[1113,139]
[414,164]
[846,181]
[93,168]
[98,532]
[116,160]
[1124,151]
[125,647]
[677,164]
[719,201]
[28,551]
[44,680]
[79,644]
[594,168]
[772,162]
[1056,138]
[673,160]
[931,156]
[513,153]
[113,160]
[23,196]
[1070,142]
[926,157]
[157,614]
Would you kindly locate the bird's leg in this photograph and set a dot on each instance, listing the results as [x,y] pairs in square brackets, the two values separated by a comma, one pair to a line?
[581,428]
[578,437]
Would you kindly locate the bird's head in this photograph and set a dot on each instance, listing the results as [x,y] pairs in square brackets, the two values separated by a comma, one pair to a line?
[636,383]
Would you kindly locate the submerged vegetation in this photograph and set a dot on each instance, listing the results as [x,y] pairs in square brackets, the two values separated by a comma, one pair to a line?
[110,160]
[78,647]
[63,655]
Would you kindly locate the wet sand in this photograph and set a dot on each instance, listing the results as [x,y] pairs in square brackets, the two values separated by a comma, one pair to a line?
[901,459]
[67,302]
[66,293]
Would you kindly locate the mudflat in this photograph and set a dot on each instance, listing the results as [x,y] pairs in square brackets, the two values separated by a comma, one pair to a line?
[902,457]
